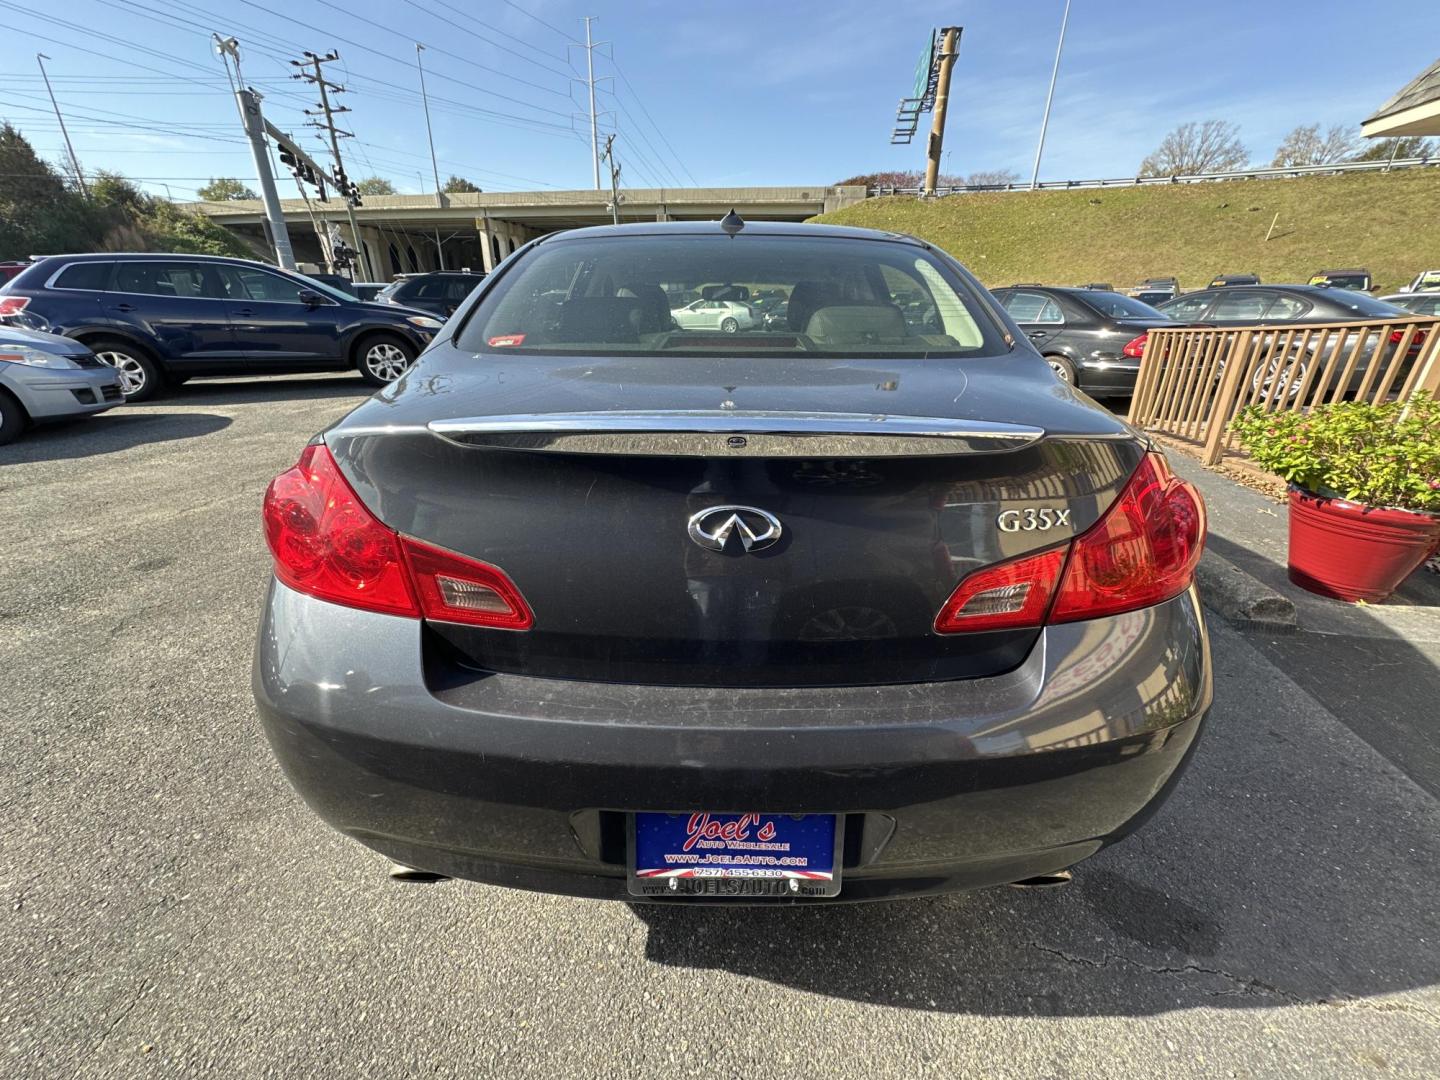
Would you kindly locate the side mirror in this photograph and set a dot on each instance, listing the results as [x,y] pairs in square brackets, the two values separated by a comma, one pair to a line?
[310,298]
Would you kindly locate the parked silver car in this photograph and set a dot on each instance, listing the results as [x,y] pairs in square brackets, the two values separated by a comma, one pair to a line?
[727,316]
[1421,303]
[48,377]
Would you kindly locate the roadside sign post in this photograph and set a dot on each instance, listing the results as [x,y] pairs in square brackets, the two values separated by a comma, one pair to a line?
[942,101]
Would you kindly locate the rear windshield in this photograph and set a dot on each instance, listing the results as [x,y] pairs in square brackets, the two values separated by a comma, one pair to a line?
[717,295]
[1362,304]
[1119,306]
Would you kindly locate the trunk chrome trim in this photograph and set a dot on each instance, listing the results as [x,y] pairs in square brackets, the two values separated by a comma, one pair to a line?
[729,433]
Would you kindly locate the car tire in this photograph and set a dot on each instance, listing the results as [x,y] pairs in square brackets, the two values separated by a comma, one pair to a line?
[140,376]
[13,420]
[1062,367]
[383,358]
[729,325]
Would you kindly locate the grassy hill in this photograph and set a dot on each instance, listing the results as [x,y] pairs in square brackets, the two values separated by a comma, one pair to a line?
[1388,223]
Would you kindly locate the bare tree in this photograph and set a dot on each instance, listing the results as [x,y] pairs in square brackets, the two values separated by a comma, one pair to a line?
[1213,146]
[992,178]
[1306,146]
[1407,146]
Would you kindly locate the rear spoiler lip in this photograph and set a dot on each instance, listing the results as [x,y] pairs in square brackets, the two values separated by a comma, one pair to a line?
[734,433]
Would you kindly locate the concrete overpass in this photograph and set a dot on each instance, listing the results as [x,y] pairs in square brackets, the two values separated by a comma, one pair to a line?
[404,233]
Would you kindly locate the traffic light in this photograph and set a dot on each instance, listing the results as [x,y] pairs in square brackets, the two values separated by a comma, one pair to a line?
[287,159]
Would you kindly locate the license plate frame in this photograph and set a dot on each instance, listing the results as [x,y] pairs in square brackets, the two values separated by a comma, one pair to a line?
[732,878]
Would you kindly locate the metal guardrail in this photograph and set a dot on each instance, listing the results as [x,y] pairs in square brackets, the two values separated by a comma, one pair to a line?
[1198,178]
[1194,380]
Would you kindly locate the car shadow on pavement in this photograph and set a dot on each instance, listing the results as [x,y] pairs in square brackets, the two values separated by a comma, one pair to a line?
[108,433]
[1292,865]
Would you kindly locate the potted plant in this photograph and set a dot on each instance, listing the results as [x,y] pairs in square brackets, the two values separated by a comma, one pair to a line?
[1364,489]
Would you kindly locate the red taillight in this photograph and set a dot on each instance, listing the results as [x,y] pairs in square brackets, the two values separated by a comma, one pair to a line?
[1397,336]
[453,588]
[13,305]
[327,544]
[1136,346]
[1143,551]
[1004,597]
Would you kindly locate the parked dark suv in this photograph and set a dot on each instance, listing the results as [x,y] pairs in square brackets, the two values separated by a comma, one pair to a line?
[439,293]
[1091,339]
[161,319]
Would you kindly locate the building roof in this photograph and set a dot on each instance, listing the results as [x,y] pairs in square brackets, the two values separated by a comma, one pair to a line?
[1415,110]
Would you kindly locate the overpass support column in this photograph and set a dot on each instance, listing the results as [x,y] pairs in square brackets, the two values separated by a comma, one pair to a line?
[486,228]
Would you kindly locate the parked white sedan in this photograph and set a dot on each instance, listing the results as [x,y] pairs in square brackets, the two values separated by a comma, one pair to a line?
[727,316]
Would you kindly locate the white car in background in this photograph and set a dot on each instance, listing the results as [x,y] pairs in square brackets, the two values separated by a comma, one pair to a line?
[727,316]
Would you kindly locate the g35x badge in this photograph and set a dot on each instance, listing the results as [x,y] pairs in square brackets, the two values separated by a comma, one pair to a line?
[1032,520]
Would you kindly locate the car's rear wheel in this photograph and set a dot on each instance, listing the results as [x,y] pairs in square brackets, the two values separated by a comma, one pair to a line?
[729,325]
[12,419]
[383,358]
[1062,367]
[140,375]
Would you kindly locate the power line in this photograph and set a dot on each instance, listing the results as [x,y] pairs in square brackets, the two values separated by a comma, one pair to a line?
[550,26]
[495,29]
[658,129]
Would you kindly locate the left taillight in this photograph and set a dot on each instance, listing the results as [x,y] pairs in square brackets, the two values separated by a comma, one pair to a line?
[327,544]
[1135,347]
[1141,552]
[13,305]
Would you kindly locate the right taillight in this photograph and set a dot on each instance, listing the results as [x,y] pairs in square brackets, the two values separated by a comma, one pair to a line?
[327,544]
[1142,551]
[1135,347]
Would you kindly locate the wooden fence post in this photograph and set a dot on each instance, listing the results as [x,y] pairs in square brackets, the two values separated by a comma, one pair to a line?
[1427,373]
[1235,371]
[1145,379]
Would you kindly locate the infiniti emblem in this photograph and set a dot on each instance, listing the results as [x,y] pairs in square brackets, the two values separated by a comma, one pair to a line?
[712,528]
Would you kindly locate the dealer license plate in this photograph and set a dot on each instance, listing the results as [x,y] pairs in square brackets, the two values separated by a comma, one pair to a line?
[742,854]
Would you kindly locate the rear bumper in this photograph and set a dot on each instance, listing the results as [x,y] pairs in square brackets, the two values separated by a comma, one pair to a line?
[525,782]
[54,393]
[1104,375]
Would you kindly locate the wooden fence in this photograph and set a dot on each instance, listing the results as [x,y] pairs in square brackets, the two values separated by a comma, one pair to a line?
[1192,381]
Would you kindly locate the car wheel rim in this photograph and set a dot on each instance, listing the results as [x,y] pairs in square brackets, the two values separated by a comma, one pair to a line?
[132,373]
[1290,373]
[1060,369]
[729,326]
[386,361]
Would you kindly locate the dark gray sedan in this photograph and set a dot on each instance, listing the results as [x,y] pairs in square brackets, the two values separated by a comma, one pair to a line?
[840,610]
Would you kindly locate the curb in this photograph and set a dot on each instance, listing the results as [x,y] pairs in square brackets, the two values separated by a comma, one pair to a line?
[1240,597]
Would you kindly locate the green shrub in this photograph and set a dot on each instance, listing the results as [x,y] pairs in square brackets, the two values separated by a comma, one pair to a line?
[1352,449]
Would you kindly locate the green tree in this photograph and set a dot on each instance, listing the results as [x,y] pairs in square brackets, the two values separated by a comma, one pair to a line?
[39,212]
[375,185]
[458,185]
[1407,146]
[225,188]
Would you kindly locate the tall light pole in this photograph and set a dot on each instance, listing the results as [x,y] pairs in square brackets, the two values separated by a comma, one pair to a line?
[425,98]
[1054,74]
[40,59]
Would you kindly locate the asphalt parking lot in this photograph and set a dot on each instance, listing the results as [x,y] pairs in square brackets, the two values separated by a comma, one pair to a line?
[170,907]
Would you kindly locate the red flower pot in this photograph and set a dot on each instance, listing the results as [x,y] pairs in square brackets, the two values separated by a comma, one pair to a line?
[1353,552]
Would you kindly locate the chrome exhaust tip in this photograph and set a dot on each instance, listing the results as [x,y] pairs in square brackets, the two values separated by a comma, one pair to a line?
[401,872]
[1055,880]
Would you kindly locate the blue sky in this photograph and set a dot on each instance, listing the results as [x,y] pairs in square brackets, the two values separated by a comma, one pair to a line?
[737,93]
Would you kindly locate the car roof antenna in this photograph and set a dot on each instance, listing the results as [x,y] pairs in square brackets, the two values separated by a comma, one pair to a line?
[732,222]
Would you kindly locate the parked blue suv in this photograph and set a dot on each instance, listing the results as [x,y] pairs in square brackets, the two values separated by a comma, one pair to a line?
[162,319]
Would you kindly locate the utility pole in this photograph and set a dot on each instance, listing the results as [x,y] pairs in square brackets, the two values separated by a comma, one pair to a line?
[614,179]
[317,77]
[590,81]
[40,59]
[279,237]
[1054,74]
[942,102]
[425,99]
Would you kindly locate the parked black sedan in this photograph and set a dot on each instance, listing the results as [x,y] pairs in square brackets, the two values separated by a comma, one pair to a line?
[1091,339]
[440,292]
[840,610]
